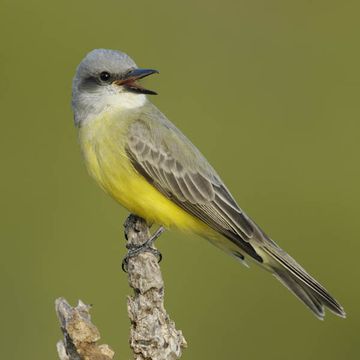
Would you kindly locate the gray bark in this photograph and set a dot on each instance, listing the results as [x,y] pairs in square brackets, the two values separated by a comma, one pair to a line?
[153,335]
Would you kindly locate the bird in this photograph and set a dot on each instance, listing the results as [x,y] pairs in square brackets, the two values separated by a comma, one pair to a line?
[151,168]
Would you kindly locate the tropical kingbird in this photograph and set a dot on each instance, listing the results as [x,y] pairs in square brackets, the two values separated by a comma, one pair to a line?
[143,161]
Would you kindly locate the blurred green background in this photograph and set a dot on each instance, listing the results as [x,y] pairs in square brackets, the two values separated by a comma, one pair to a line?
[268,90]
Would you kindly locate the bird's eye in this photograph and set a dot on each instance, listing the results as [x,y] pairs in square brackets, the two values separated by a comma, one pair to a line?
[105,76]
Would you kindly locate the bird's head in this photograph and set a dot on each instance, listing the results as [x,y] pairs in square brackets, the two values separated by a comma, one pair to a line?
[107,78]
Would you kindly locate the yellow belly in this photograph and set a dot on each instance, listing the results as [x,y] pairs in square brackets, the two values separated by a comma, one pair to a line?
[103,145]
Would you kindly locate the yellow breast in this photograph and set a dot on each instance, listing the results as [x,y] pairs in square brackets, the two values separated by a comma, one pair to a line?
[103,143]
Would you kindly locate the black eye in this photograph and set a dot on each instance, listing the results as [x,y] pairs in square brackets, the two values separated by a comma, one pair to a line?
[105,76]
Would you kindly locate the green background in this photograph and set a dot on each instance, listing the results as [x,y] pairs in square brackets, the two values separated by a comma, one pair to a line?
[268,90]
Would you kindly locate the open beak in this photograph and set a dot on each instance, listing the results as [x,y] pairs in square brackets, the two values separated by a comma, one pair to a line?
[131,84]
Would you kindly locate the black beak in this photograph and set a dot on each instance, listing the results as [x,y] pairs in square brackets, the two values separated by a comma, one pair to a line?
[130,81]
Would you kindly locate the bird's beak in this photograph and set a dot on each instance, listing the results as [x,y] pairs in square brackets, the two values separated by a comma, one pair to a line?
[130,81]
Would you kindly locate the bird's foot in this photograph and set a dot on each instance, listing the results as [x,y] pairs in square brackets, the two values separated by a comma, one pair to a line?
[134,250]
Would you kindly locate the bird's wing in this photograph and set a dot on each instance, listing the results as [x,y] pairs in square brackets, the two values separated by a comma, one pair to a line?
[168,160]
[172,164]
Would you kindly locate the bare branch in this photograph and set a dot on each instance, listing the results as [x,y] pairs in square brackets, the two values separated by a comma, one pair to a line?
[80,334]
[152,335]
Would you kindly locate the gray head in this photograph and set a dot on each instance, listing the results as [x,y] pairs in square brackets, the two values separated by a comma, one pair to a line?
[106,78]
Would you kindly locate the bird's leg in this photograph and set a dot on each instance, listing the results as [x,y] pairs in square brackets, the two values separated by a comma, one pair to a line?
[146,246]
[153,237]
[134,250]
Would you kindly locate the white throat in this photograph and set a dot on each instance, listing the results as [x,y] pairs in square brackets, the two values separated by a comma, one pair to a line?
[130,100]
[87,106]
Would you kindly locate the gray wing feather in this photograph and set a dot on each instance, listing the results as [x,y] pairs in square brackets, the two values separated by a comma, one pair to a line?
[168,160]
[177,169]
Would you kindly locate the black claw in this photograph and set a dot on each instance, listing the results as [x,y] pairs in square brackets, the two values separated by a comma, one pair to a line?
[157,253]
[134,250]
[124,264]
[160,257]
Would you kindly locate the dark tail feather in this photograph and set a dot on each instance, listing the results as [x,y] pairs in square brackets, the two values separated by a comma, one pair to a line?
[305,287]
[304,294]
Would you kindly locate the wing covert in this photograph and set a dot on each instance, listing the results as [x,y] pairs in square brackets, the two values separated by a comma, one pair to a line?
[178,170]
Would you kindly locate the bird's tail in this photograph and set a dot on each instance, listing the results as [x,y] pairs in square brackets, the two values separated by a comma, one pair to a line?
[297,280]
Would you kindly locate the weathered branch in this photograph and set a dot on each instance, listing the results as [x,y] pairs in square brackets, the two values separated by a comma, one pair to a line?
[80,334]
[153,335]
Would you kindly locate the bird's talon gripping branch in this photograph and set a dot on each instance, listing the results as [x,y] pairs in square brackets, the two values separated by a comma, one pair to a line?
[135,250]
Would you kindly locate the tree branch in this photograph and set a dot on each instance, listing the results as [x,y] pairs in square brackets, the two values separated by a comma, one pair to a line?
[80,334]
[153,335]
